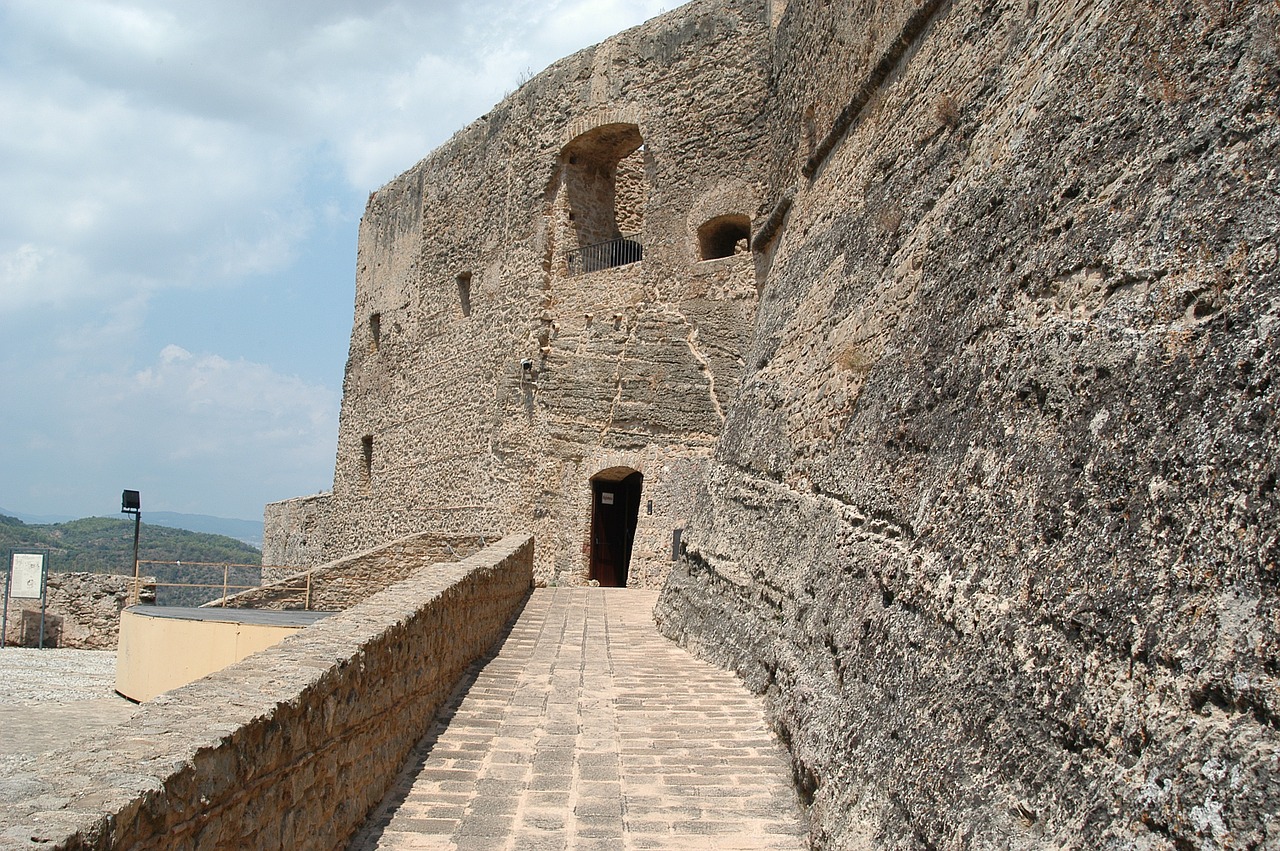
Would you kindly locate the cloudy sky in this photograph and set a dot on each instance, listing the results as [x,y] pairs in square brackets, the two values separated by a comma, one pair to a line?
[180,186]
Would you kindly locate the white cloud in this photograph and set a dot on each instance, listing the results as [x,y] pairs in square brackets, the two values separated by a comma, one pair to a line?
[18,267]
[204,433]
[146,140]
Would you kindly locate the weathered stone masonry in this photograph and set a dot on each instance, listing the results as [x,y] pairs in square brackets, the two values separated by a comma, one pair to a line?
[487,385]
[993,520]
[82,611]
[973,452]
[343,582]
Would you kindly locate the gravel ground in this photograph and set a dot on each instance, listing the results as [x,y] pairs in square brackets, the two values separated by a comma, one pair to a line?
[51,702]
[39,677]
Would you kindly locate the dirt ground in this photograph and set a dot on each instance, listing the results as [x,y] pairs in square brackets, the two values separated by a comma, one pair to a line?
[51,700]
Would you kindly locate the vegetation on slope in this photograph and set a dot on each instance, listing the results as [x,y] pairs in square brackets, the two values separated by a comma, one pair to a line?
[105,545]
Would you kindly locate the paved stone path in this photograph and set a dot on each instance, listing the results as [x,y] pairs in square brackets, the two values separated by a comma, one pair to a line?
[50,700]
[589,730]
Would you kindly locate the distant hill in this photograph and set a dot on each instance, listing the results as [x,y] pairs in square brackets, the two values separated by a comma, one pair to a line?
[36,518]
[249,531]
[105,544]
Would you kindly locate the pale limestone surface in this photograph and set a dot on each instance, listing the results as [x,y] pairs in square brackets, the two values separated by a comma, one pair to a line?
[993,522]
[52,700]
[49,698]
[589,730]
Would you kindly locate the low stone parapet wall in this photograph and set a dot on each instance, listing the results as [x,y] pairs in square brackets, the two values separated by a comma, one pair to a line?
[291,747]
[82,612]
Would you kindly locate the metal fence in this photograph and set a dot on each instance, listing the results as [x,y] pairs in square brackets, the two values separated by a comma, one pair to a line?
[605,255]
[191,583]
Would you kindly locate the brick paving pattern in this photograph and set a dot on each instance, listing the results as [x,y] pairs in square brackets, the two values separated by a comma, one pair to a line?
[589,730]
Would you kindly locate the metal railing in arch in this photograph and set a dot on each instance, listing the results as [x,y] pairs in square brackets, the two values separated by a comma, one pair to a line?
[625,249]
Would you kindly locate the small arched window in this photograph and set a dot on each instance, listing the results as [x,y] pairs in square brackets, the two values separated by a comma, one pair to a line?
[605,192]
[724,236]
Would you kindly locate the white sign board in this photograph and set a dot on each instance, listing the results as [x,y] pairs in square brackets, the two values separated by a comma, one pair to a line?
[27,578]
[606,498]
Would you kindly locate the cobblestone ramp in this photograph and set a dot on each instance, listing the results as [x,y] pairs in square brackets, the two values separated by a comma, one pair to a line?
[589,730]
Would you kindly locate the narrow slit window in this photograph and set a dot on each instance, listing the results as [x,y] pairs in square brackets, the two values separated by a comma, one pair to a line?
[375,331]
[464,292]
[366,460]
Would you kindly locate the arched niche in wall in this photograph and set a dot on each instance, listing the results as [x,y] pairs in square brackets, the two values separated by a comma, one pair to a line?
[724,236]
[603,197]
[720,220]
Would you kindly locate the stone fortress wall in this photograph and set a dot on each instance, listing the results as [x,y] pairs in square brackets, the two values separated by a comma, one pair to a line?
[291,747]
[993,519]
[973,451]
[487,385]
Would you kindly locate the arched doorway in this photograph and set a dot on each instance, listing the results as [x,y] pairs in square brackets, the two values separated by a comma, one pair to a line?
[615,508]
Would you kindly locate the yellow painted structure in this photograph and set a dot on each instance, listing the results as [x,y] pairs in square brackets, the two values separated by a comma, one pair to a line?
[162,648]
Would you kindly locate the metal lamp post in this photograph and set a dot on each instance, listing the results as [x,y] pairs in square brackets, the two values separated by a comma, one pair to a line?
[131,503]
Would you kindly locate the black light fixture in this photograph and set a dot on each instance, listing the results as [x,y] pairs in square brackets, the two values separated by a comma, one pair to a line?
[131,503]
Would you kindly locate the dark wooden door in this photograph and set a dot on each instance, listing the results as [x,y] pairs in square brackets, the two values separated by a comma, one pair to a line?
[615,509]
